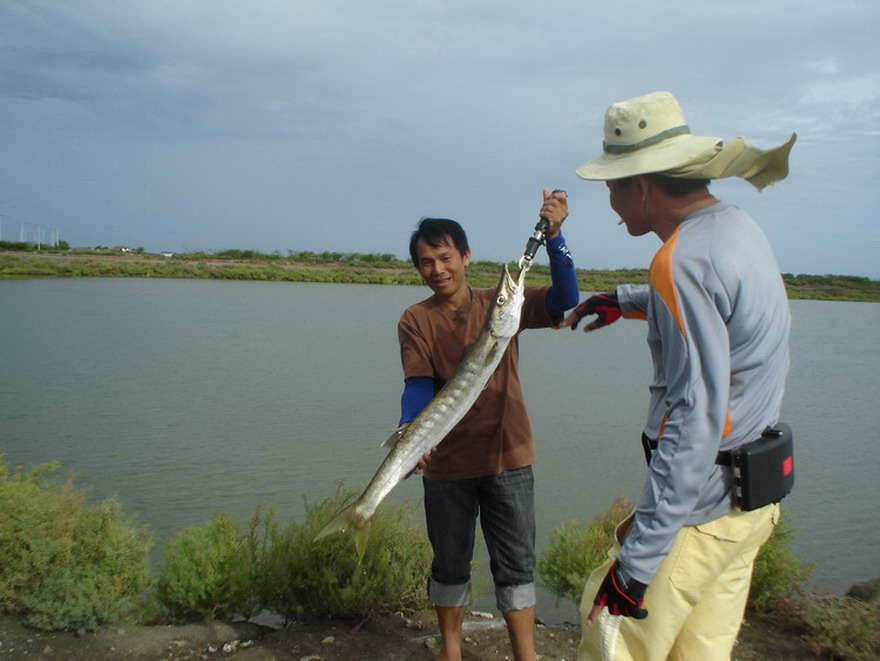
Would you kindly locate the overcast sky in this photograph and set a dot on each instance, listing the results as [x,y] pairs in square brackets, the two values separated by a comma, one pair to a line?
[335,125]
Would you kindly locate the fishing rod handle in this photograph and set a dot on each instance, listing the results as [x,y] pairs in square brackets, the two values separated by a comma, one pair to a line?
[539,237]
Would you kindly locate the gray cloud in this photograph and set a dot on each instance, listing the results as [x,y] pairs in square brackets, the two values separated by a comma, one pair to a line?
[334,125]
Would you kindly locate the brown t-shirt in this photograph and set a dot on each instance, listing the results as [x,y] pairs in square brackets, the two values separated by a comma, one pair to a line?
[495,435]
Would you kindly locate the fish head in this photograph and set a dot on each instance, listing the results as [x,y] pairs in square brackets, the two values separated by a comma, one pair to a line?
[507,306]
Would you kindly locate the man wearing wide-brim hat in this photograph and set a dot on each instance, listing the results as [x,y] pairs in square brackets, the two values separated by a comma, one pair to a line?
[676,581]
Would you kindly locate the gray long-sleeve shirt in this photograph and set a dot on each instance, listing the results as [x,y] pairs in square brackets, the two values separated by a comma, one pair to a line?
[718,328]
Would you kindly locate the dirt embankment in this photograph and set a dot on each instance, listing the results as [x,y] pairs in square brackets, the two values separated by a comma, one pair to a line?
[390,638]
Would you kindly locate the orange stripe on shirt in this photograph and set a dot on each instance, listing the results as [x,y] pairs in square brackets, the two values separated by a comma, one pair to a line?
[662,279]
[664,284]
[724,433]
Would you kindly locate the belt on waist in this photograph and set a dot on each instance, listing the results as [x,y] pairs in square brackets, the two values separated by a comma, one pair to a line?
[723,458]
[762,470]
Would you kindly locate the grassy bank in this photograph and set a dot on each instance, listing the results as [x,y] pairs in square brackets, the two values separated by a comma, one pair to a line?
[354,268]
[70,565]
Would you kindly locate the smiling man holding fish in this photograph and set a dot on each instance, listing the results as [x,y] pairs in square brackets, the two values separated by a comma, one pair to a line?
[483,465]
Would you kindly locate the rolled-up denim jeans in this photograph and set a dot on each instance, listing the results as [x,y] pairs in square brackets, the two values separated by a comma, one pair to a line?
[505,504]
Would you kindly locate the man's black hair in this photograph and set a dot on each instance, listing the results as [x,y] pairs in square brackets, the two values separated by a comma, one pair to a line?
[437,232]
[676,186]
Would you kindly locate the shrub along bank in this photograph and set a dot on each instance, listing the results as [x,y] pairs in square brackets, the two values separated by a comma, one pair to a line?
[838,627]
[67,565]
[63,564]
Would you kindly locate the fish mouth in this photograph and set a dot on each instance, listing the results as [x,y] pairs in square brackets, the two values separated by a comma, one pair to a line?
[512,284]
[515,281]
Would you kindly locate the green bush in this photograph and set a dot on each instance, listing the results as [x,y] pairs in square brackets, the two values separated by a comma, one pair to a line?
[26,523]
[208,573]
[65,565]
[842,627]
[219,570]
[327,580]
[255,548]
[575,551]
[778,573]
[98,578]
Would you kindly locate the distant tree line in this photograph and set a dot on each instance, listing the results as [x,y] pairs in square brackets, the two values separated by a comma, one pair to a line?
[24,246]
[348,267]
[382,260]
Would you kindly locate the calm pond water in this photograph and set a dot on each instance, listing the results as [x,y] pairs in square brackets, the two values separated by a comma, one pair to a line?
[185,398]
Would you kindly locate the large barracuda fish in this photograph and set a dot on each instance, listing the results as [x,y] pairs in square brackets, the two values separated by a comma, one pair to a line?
[443,412]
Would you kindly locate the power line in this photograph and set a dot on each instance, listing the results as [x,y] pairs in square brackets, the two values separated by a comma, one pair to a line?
[32,233]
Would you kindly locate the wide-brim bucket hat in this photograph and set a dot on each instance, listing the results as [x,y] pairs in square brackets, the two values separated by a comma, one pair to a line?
[649,134]
[643,135]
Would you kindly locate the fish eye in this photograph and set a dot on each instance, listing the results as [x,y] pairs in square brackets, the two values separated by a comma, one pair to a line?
[501,299]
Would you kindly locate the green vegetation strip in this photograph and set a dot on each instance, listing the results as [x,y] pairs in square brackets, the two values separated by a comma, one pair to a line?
[67,564]
[355,268]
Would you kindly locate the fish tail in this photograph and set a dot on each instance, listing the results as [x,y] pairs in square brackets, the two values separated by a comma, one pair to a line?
[348,520]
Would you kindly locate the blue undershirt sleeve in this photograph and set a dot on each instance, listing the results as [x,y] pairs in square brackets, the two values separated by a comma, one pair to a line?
[418,391]
[564,293]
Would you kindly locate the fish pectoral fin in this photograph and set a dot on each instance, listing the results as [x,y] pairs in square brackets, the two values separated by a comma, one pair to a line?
[391,441]
[493,353]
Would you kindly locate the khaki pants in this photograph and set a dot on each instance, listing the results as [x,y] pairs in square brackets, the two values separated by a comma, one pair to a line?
[696,601]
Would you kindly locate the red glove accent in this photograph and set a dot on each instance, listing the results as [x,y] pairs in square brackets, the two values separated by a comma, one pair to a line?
[604,306]
[622,596]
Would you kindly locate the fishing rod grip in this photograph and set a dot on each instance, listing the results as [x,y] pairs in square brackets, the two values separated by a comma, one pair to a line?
[537,239]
